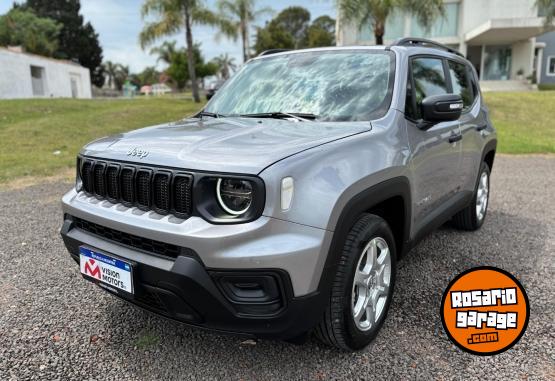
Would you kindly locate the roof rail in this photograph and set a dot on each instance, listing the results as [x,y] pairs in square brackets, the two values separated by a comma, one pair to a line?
[272,51]
[412,41]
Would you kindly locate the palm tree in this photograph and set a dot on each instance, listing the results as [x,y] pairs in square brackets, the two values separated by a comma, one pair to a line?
[547,9]
[375,12]
[121,75]
[173,16]
[110,69]
[165,52]
[225,65]
[240,14]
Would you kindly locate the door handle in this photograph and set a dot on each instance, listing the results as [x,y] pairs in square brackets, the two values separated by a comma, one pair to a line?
[455,138]
[482,127]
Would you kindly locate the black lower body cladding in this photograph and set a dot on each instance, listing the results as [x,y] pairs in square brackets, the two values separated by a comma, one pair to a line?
[255,303]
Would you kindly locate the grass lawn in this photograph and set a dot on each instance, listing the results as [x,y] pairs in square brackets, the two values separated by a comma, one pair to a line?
[525,121]
[32,130]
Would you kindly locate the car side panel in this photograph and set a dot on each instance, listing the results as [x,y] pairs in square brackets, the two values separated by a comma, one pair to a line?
[327,177]
[477,131]
[472,145]
[434,166]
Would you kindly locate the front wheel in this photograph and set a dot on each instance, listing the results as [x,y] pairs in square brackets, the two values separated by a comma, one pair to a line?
[363,286]
[472,217]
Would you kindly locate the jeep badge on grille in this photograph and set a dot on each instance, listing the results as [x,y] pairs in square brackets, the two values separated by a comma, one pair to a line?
[140,153]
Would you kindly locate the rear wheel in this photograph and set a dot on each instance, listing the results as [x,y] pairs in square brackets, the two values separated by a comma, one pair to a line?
[363,286]
[472,217]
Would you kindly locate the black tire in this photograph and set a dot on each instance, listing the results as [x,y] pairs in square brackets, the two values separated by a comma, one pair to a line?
[337,327]
[468,219]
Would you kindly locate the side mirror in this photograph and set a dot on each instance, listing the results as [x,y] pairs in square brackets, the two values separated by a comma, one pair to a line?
[441,108]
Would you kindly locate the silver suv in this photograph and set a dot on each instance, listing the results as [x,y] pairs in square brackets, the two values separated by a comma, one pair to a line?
[283,206]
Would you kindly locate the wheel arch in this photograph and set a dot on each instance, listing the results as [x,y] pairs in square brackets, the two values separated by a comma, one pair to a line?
[488,153]
[391,200]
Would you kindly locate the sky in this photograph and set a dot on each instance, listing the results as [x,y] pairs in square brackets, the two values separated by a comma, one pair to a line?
[118,24]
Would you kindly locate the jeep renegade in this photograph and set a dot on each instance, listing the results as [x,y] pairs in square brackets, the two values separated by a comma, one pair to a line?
[283,206]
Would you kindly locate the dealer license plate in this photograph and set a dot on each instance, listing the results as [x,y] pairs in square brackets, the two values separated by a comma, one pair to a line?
[111,273]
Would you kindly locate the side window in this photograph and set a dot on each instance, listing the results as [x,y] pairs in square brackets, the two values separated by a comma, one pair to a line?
[461,84]
[429,79]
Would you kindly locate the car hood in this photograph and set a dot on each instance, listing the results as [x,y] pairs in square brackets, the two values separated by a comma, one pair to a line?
[240,145]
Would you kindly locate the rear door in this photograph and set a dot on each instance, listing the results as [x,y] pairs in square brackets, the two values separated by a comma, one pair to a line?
[473,120]
[436,151]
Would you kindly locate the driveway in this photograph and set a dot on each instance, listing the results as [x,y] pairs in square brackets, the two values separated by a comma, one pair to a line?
[55,325]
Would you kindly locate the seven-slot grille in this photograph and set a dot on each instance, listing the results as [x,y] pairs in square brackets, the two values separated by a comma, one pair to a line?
[148,188]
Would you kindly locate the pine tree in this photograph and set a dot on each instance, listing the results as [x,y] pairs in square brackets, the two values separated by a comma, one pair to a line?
[77,39]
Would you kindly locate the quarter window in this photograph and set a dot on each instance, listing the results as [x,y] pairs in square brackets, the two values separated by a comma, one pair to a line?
[461,85]
[410,110]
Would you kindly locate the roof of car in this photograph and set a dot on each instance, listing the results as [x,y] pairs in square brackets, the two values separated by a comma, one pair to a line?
[276,52]
[424,43]
[411,44]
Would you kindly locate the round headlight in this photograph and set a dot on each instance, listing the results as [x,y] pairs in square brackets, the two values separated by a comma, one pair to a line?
[234,195]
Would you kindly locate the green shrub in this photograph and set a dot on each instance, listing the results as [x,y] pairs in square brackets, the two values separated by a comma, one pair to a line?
[546,86]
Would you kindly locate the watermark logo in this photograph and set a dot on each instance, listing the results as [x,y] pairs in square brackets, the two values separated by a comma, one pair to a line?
[485,311]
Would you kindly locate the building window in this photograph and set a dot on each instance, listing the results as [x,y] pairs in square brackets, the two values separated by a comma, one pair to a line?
[447,26]
[550,66]
[395,26]
[37,80]
[543,10]
[497,63]
[365,33]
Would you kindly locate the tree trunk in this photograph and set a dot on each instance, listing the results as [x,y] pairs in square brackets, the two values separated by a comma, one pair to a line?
[245,38]
[379,31]
[191,56]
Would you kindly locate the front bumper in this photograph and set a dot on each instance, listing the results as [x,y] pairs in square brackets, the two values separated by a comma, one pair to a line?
[189,287]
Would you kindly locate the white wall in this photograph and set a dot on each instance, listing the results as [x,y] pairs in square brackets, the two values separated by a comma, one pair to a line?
[472,13]
[15,76]
[478,12]
[522,57]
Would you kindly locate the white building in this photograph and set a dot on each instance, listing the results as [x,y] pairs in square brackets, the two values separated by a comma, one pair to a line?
[24,75]
[497,36]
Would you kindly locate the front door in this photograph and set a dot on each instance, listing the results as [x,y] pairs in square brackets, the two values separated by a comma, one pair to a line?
[435,151]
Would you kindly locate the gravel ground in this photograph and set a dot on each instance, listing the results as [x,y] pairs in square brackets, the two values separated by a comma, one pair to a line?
[54,325]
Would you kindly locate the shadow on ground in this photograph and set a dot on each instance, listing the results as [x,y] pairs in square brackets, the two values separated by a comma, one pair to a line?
[413,323]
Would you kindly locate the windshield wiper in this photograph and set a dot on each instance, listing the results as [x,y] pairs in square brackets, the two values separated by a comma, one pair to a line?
[301,116]
[210,114]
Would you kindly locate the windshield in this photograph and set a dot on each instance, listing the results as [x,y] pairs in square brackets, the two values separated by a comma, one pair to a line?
[340,85]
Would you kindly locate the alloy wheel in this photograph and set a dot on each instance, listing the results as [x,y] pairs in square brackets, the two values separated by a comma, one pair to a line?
[371,284]
[482,196]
